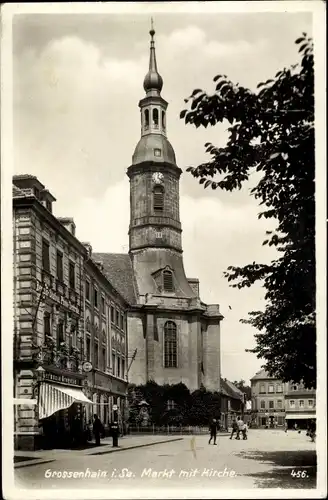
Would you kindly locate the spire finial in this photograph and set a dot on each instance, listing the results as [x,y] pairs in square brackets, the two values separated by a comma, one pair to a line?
[153,80]
[152,31]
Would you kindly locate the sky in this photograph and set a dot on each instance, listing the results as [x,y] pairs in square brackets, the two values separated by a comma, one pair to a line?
[77,81]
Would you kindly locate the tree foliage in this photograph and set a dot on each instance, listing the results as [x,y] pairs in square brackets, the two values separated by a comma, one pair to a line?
[272,132]
[246,389]
[190,408]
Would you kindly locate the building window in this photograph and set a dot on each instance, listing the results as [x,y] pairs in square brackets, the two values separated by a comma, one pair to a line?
[88,350]
[292,403]
[95,297]
[170,345]
[168,281]
[279,388]
[74,329]
[262,405]
[279,403]
[60,274]
[104,359]
[271,388]
[118,363]
[117,318]
[103,336]
[310,403]
[262,389]
[280,420]
[96,330]
[96,355]
[103,305]
[158,198]
[170,405]
[46,324]
[87,290]
[123,368]
[271,405]
[163,120]
[72,275]
[122,321]
[112,314]
[87,324]
[60,333]
[294,387]
[45,255]
[155,117]
[113,364]
[301,402]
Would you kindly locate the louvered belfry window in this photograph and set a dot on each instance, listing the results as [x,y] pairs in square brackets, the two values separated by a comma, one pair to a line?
[158,199]
[168,281]
[170,345]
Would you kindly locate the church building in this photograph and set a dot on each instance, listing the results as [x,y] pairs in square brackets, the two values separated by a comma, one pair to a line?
[172,335]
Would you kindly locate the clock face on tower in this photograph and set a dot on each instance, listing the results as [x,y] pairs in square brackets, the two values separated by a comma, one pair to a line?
[158,178]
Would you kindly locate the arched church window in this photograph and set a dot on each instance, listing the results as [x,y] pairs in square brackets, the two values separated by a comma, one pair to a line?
[170,345]
[158,198]
[155,117]
[168,281]
[146,118]
[163,120]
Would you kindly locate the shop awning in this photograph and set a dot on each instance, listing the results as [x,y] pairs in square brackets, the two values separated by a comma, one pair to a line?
[53,397]
[25,401]
[299,416]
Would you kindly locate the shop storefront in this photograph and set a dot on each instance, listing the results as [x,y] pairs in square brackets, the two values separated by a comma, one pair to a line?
[61,409]
[105,391]
[299,420]
[54,415]
[269,420]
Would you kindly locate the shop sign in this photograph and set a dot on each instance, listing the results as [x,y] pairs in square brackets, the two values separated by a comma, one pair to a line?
[59,299]
[53,377]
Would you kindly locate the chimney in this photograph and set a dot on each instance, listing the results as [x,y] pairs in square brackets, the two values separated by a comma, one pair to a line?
[68,223]
[88,248]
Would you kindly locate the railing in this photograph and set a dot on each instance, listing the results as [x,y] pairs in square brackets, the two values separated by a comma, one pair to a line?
[169,429]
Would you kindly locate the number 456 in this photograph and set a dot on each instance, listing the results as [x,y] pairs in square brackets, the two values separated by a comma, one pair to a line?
[299,473]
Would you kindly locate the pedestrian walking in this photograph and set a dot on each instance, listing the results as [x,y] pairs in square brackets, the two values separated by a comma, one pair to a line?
[234,428]
[240,424]
[244,431]
[213,431]
[286,427]
[97,428]
[312,430]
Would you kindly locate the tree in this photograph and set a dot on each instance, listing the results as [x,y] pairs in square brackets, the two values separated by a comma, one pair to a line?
[272,133]
[244,388]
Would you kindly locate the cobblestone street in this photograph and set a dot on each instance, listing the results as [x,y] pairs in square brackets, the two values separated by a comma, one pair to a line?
[268,459]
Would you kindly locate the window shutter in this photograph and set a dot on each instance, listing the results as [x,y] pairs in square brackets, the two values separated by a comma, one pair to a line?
[158,199]
[168,281]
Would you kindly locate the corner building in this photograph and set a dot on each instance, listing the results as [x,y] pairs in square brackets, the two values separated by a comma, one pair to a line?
[172,335]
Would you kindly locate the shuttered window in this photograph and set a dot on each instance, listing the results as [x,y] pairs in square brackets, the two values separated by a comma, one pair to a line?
[168,281]
[158,199]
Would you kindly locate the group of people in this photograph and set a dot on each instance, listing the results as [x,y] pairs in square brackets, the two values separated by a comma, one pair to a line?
[238,427]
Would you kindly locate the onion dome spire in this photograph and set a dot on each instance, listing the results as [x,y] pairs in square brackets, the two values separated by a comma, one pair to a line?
[153,80]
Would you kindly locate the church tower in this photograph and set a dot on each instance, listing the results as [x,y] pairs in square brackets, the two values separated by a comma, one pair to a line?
[172,335]
[155,227]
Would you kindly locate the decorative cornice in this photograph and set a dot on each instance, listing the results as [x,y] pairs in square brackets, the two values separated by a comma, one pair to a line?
[151,167]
